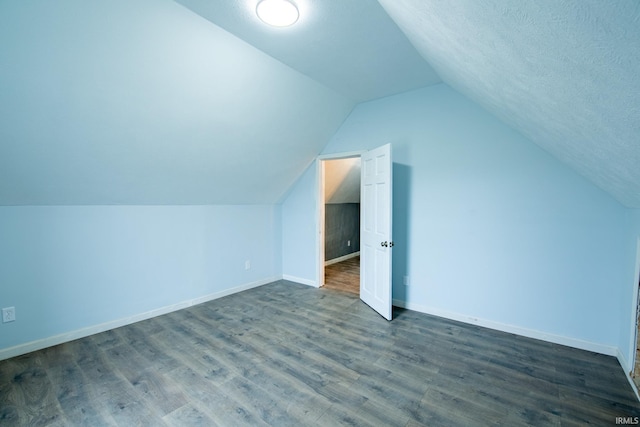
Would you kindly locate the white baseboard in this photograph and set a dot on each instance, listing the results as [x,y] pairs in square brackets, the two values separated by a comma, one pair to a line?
[530,333]
[17,350]
[300,280]
[628,370]
[624,362]
[342,258]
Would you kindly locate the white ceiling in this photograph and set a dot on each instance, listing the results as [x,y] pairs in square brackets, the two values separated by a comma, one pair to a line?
[351,46]
[564,73]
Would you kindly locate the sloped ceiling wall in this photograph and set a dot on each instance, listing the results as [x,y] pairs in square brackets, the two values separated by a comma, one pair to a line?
[145,102]
[566,74]
[342,180]
[351,46]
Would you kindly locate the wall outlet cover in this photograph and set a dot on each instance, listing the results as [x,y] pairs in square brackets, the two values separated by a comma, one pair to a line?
[8,314]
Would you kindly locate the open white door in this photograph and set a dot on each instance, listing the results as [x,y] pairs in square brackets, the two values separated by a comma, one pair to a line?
[375,235]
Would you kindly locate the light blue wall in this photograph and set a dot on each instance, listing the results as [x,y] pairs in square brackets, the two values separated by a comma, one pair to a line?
[299,229]
[486,224]
[68,268]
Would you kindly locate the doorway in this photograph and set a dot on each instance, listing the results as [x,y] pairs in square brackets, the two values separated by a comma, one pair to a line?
[376,194]
[340,223]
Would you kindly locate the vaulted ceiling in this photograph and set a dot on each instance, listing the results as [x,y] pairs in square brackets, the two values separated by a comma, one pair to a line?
[198,102]
[350,46]
[565,73]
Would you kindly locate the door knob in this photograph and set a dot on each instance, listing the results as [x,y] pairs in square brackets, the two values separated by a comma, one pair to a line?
[385,244]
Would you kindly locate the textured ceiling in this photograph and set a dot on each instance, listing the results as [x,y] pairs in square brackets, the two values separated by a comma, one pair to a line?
[351,46]
[564,73]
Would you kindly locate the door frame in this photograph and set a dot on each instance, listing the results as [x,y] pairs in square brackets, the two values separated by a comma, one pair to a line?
[633,336]
[634,318]
[320,232]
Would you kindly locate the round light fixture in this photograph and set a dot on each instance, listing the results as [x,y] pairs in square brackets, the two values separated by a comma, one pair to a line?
[279,13]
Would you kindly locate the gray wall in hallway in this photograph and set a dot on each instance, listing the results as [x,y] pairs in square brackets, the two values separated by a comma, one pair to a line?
[342,224]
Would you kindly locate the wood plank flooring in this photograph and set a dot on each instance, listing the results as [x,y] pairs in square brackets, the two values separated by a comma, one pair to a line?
[290,355]
[343,276]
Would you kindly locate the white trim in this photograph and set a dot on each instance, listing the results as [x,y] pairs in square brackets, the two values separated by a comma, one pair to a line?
[623,362]
[633,336]
[19,349]
[530,333]
[300,280]
[320,219]
[342,258]
[336,156]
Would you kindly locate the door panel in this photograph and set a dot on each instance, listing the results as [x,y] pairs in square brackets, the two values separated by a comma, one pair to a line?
[376,240]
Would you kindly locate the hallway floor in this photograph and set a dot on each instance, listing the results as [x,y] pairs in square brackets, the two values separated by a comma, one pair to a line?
[343,276]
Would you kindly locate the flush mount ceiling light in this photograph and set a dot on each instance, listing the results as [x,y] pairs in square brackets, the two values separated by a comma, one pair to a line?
[279,13]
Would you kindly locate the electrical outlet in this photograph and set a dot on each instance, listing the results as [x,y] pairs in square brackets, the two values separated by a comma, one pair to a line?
[8,314]
[406,280]
[247,265]
[348,242]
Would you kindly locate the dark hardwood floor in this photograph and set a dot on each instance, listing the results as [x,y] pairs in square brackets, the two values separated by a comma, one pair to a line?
[343,276]
[290,355]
